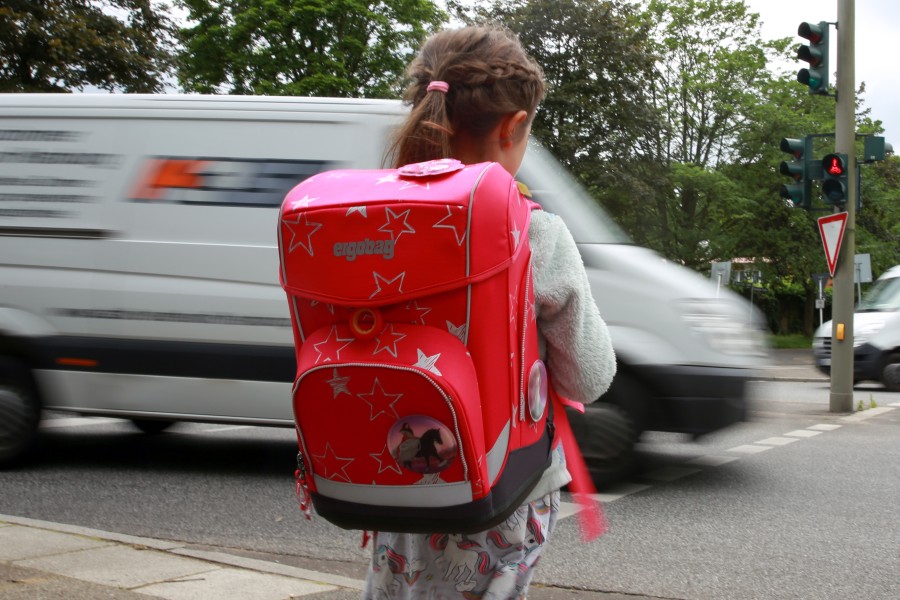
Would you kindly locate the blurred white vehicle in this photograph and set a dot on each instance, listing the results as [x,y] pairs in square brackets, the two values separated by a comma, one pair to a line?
[876,334]
[138,270]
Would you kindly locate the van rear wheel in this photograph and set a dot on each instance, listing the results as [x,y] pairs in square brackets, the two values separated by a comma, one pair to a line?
[890,374]
[607,440]
[20,412]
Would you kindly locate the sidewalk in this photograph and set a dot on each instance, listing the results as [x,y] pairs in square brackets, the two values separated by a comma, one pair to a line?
[39,559]
[43,560]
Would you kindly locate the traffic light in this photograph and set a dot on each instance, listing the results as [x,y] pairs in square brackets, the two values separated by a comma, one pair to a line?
[799,192]
[816,54]
[834,174]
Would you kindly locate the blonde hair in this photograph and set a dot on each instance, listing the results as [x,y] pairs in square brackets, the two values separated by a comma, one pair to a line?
[488,74]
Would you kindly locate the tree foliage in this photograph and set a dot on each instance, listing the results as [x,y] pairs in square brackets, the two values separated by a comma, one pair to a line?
[302,47]
[66,45]
[597,112]
[672,115]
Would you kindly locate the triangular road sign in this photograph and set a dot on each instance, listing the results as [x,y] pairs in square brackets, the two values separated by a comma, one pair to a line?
[831,228]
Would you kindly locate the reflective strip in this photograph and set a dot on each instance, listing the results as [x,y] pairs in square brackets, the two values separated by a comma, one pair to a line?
[497,454]
[433,495]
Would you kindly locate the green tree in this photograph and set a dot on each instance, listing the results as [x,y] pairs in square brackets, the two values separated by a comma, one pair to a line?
[66,45]
[712,71]
[302,47]
[597,66]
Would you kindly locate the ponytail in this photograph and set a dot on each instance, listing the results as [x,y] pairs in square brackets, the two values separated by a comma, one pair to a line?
[464,81]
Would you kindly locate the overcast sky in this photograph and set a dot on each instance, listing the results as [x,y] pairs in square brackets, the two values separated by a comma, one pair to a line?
[877,31]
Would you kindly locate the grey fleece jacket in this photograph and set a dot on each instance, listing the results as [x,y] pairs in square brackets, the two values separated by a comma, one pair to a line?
[574,341]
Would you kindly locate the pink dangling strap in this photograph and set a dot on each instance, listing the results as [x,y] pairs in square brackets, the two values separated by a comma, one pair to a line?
[593,521]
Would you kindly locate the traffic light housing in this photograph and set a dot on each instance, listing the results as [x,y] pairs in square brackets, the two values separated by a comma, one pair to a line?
[816,54]
[800,191]
[834,178]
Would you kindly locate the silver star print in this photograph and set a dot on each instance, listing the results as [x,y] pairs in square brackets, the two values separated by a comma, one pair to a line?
[380,401]
[386,461]
[388,340]
[396,282]
[516,234]
[396,224]
[461,331]
[299,231]
[327,354]
[303,202]
[338,384]
[459,228]
[428,362]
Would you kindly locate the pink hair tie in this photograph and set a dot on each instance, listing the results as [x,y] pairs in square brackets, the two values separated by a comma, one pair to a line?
[441,86]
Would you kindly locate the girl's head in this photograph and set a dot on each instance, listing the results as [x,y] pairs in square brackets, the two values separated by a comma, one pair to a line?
[484,111]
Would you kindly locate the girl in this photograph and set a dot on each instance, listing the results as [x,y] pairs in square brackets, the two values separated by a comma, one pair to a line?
[474,94]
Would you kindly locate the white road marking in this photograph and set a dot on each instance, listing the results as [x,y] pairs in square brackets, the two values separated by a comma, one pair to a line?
[567,509]
[622,490]
[750,449]
[778,441]
[672,473]
[803,433]
[867,414]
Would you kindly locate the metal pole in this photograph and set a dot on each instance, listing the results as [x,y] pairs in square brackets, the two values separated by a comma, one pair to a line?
[841,398]
[822,302]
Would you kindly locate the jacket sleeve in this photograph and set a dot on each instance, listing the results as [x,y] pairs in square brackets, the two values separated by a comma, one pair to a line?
[575,341]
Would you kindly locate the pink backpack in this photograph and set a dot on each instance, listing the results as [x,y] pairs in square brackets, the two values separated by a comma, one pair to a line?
[420,402]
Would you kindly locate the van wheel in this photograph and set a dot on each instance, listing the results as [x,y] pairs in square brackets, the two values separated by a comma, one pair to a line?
[152,426]
[627,393]
[20,412]
[607,439]
[890,374]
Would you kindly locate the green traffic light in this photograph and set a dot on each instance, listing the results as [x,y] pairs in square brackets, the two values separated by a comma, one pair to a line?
[816,54]
[794,193]
[799,191]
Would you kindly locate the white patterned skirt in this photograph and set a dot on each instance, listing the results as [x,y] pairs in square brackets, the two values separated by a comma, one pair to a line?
[496,564]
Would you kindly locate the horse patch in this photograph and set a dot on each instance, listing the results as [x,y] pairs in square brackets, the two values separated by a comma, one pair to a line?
[422,444]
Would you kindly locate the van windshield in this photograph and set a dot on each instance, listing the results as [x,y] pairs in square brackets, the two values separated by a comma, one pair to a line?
[558,192]
[884,295]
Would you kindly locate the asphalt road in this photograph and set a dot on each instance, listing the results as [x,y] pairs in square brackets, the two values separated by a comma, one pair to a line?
[797,503]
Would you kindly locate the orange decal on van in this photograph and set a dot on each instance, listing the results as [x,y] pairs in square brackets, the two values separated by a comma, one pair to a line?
[160,174]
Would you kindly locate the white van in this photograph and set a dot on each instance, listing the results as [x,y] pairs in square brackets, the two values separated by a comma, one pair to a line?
[138,270]
[876,334]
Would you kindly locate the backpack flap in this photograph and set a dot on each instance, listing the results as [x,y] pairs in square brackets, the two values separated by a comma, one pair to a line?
[382,227]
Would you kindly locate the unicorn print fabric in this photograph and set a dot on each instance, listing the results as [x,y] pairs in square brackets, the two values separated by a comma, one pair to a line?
[491,565]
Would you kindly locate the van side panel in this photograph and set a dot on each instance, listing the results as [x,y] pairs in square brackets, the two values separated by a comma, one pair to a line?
[142,239]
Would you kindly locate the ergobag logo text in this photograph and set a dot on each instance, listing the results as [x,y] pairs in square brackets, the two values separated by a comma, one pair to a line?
[366,247]
[420,400]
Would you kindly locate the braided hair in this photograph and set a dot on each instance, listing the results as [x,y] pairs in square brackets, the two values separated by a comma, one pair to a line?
[488,75]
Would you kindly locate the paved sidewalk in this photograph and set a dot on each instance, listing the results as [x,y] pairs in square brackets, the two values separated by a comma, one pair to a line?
[43,560]
[40,560]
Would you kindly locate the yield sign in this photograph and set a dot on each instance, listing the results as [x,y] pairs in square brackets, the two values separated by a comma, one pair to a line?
[831,228]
